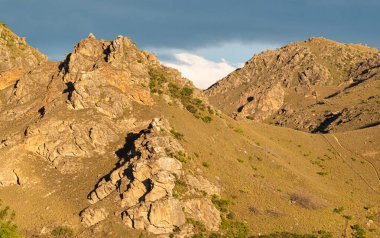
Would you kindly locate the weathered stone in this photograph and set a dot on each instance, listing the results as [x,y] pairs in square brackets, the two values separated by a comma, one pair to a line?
[165,215]
[146,182]
[91,216]
[204,211]
[8,177]
[202,184]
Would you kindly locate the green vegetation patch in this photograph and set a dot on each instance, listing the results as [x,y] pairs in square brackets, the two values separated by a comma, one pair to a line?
[63,231]
[319,234]
[358,231]
[195,106]
[7,228]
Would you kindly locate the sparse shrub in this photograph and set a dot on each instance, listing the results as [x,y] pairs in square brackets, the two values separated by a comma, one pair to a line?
[63,231]
[338,210]
[358,231]
[215,235]
[186,92]
[220,204]
[182,156]
[205,164]
[240,160]
[7,228]
[157,79]
[180,188]
[234,229]
[347,217]
[322,173]
[207,119]
[320,234]
[198,226]
[191,109]
[239,130]
[176,134]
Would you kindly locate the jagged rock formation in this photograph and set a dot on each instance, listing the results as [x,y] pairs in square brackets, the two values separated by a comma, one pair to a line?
[318,85]
[97,84]
[67,113]
[16,56]
[145,179]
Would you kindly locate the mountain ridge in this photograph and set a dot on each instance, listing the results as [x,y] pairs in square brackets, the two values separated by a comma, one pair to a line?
[110,143]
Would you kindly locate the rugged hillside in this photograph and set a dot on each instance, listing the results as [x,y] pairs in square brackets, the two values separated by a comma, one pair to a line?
[110,143]
[318,86]
[16,56]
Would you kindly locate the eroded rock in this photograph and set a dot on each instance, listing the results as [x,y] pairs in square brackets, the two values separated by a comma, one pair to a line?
[91,216]
[145,182]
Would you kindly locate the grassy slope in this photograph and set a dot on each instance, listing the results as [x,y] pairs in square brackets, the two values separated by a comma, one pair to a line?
[259,167]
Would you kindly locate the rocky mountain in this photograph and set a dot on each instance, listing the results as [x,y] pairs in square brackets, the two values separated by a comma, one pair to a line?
[318,86]
[16,56]
[110,143]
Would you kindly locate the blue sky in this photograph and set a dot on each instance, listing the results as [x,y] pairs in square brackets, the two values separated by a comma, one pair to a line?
[205,39]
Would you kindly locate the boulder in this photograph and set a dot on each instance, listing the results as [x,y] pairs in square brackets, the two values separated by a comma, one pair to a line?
[91,216]
[202,209]
[8,177]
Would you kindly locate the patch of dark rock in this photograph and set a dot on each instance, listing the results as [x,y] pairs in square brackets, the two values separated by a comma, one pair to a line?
[322,128]
[305,201]
[128,150]
[42,112]
[70,89]
[250,99]
[240,109]
[370,125]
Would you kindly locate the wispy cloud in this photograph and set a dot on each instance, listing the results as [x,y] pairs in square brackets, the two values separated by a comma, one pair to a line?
[201,71]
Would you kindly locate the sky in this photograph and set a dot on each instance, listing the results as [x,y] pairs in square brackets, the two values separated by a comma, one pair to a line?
[204,39]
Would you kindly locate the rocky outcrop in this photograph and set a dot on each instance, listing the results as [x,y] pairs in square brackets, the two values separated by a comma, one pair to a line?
[74,114]
[145,180]
[92,216]
[105,74]
[295,85]
[204,211]
[63,142]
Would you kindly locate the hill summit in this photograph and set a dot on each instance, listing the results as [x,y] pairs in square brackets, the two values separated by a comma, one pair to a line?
[317,85]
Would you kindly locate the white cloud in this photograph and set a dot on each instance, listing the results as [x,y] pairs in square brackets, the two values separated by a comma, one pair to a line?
[205,65]
[201,71]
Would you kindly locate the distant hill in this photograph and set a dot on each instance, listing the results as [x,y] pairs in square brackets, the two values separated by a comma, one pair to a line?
[318,85]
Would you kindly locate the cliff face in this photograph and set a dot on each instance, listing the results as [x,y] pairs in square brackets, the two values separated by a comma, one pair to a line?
[16,56]
[318,86]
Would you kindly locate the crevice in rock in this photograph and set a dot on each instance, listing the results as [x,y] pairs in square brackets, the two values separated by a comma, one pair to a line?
[70,89]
